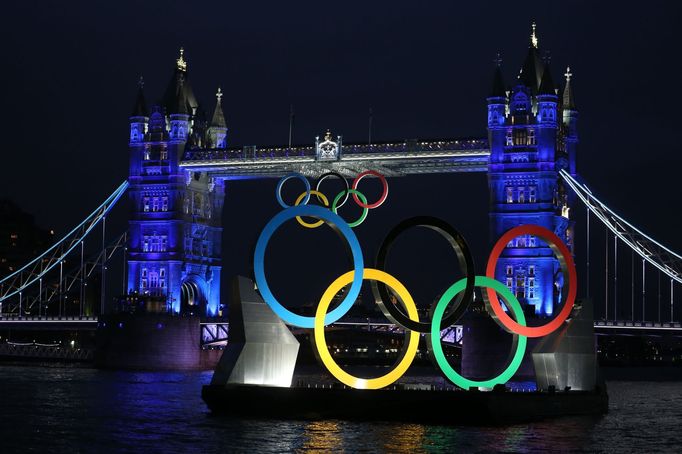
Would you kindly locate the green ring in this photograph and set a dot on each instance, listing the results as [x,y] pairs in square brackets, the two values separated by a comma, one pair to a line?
[437,348]
[363,216]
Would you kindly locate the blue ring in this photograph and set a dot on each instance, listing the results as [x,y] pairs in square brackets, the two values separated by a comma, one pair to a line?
[337,223]
[278,191]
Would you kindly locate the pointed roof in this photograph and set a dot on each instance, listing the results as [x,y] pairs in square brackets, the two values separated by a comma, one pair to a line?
[180,105]
[200,116]
[547,84]
[498,90]
[140,107]
[568,101]
[532,69]
[171,94]
[218,120]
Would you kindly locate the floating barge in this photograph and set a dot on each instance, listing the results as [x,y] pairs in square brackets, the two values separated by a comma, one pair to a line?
[448,407]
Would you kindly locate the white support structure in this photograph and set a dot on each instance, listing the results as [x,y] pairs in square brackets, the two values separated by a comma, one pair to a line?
[667,261]
[36,269]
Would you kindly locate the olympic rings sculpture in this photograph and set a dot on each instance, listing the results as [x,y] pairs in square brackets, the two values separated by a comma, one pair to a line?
[459,294]
[337,203]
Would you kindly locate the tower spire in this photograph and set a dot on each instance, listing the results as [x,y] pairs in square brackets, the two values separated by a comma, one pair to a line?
[533,36]
[218,119]
[499,90]
[217,131]
[568,102]
[546,83]
[140,108]
[180,106]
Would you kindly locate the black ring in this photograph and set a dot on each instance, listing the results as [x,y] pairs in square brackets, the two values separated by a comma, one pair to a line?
[337,175]
[466,262]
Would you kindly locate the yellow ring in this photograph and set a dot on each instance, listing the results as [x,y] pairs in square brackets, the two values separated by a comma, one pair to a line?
[300,219]
[321,344]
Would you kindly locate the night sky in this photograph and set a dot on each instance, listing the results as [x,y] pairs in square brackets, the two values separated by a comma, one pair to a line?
[70,71]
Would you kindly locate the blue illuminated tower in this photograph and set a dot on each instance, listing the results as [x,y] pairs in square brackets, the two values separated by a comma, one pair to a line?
[532,135]
[174,246]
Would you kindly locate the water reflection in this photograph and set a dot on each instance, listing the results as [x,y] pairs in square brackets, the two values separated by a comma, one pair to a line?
[79,410]
[322,436]
[404,438]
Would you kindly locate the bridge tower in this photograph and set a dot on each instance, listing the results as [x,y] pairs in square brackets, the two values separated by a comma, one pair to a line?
[532,135]
[175,227]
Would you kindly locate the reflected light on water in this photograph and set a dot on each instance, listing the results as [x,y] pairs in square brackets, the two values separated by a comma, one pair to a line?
[322,436]
[405,438]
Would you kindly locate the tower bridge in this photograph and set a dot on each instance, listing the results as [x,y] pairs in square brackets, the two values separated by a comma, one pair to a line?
[180,163]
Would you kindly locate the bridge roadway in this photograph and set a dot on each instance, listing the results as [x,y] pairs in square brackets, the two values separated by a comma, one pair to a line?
[411,157]
[621,327]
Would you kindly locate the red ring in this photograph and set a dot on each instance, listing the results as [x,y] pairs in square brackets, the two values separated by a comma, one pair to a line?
[384,194]
[567,265]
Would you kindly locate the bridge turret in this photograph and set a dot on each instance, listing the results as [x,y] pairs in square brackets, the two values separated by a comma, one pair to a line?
[546,118]
[217,132]
[497,111]
[570,121]
[179,115]
[139,118]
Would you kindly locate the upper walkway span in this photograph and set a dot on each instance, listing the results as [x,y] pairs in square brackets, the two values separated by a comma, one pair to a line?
[411,157]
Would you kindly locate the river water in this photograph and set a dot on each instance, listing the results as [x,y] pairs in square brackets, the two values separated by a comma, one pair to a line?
[67,409]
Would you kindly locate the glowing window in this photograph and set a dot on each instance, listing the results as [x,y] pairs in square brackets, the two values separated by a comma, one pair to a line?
[520,287]
[531,287]
[510,195]
[520,137]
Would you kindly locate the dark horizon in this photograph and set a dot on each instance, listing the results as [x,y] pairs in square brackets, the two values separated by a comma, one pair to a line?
[425,72]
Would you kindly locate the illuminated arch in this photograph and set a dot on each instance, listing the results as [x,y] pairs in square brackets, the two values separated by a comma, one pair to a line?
[193,296]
